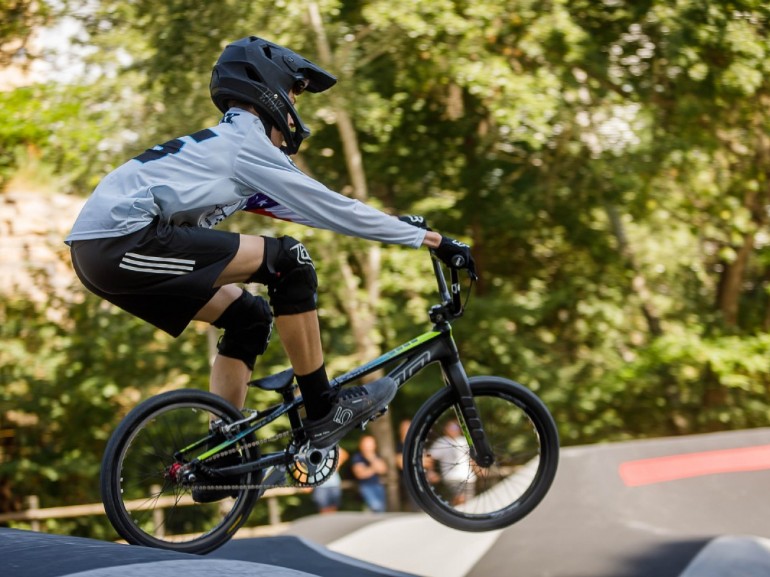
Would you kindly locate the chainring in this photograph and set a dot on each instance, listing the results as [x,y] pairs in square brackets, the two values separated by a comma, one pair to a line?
[312,467]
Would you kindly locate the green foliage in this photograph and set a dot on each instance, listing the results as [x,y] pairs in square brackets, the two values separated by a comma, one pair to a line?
[61,124]
[65,382]
[19,20]
[607,160]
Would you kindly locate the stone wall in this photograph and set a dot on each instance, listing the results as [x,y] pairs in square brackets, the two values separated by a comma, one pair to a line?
[32,230]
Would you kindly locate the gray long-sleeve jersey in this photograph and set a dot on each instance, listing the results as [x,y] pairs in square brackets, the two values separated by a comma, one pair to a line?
[201,179]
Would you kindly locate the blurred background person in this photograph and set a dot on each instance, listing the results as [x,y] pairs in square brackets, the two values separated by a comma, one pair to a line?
[452,453]
[368,467]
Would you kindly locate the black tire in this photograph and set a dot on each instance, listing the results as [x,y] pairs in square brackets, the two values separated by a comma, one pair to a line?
[135,471]
[444,481]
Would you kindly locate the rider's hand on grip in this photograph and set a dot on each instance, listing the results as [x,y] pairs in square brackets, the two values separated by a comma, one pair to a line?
[415,220]
[456,254]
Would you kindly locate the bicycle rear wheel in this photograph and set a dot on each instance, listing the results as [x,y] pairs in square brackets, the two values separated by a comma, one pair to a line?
[446,483]
[144,500]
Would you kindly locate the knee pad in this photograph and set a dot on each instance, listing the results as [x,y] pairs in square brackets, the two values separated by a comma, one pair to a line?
[290,276]
[248,323]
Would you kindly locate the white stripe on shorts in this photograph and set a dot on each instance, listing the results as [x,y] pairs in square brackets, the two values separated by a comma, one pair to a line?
[156,264]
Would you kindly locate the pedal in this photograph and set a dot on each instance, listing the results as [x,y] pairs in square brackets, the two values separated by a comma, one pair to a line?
[377,415]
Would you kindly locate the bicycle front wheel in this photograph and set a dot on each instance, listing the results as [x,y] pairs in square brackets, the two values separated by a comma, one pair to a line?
[451,487]
[143,498]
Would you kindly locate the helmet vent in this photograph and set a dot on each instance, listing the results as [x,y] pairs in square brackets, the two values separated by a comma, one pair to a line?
[253,74]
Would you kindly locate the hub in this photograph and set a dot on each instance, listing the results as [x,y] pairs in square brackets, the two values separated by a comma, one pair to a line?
[180,474]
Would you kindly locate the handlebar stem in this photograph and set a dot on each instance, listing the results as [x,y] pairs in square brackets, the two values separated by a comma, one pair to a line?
[451,306]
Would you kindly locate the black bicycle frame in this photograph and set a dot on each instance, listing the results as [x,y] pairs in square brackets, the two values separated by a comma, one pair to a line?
[430,347]
[435,346]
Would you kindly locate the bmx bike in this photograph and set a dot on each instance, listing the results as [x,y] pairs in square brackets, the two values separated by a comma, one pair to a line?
[488,477]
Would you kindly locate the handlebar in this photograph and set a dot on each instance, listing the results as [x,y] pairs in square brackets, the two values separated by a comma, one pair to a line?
[451,300]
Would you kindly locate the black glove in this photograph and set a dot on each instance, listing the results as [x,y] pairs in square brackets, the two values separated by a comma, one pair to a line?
[456,254]
[414,220]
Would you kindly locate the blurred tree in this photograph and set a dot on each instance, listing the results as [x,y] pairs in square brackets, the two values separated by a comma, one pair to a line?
[608,161]
[19,19]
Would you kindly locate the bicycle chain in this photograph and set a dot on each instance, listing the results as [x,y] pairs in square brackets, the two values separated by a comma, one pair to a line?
[252,486]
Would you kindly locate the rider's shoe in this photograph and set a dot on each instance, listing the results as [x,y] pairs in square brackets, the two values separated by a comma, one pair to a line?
[351,407]
[205,495]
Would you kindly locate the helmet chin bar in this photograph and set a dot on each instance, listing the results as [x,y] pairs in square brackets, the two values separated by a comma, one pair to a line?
[277,108]
[293,138]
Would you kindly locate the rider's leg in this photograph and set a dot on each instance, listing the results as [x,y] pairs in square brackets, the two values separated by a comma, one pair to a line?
[300,335]
[228,375]
[247,322]
[286,268]
[290,275]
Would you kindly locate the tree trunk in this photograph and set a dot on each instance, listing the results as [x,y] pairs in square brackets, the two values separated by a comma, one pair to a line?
[728,299]
[755,202]
[638,283]
[361,312]
[734,273]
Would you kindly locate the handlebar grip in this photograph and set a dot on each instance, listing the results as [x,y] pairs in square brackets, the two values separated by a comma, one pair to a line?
[458,261]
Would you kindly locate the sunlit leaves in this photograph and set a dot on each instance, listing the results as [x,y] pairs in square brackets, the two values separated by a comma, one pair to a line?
[608,160]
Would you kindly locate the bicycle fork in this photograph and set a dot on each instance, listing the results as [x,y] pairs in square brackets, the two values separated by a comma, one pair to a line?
[468,414]
[439,346]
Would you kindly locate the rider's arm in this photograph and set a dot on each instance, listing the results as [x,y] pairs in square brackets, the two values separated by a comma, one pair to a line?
[262,167]
[432,239]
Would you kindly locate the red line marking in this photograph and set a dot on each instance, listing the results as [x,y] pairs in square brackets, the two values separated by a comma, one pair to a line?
[671,468]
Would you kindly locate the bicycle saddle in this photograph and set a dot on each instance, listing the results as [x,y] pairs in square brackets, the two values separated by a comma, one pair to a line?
[276,382]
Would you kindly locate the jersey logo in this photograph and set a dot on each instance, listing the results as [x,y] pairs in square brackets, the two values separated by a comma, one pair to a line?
[172,146]
[416,220]
[228,117]
[259,202]
[217,214]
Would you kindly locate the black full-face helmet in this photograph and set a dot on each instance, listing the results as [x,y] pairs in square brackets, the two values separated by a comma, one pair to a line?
[261,73]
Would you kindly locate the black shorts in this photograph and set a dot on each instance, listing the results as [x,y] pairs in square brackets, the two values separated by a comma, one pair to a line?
[163,274]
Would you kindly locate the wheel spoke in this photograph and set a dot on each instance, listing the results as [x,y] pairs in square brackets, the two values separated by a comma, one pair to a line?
[145,495]
[452,487]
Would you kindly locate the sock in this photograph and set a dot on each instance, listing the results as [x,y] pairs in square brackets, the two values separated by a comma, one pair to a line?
[313,388]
